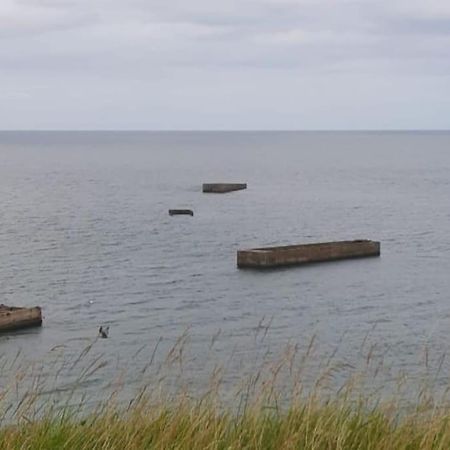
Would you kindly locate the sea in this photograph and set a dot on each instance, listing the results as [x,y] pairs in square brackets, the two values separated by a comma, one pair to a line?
[85,234]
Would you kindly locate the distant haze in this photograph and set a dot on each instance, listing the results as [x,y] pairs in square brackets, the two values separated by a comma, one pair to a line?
[230,64]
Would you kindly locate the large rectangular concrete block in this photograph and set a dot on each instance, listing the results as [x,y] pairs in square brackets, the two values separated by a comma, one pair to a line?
[306,253]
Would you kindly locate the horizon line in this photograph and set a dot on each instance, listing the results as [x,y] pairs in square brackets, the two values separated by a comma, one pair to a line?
[214,130]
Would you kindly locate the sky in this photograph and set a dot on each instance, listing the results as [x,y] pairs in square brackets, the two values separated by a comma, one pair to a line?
[228,64]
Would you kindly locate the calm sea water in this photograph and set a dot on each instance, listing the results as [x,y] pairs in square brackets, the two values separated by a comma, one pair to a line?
[85,233]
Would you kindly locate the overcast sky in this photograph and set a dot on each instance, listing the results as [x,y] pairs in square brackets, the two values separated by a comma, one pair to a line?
[225,64]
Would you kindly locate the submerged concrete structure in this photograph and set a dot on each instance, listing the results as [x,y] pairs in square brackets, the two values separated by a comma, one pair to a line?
[222,188]
[15,318]
[268,257]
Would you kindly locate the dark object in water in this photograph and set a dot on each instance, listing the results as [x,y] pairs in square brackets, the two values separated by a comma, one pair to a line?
[103,332]
[260,258]
[180,212]
[15,318]
[221,188]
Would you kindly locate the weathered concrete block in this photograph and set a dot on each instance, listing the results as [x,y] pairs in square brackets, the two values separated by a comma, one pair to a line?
[306,253]
[14,318]
[179,212]
[221,188]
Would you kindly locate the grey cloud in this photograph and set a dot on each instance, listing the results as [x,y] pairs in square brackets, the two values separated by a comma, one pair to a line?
[417,26]
[19,20]
[147,48]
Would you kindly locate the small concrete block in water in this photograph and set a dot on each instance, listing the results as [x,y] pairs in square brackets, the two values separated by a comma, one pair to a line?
[221,188]
[14,318]
[180,212]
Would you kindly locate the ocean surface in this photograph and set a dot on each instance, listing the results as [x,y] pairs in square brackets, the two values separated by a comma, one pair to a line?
[85,233]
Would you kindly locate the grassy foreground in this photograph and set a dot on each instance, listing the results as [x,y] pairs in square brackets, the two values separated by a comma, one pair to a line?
[272,409]
[194,425]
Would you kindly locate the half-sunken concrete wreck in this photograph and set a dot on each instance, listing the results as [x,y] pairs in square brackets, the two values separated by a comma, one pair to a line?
[181,212]
[222,188]
[15,318]
[260,258]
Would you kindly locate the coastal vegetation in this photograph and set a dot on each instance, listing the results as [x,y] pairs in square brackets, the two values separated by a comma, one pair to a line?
[200,424]
[271,408]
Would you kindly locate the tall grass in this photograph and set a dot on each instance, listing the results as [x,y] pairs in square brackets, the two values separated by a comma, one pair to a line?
[273,407]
